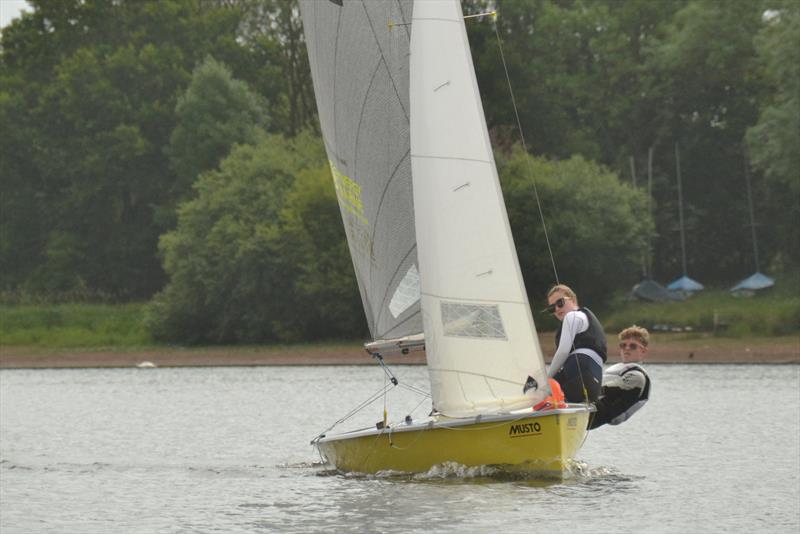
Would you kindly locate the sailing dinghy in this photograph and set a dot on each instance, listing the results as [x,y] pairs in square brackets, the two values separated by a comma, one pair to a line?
[432,249]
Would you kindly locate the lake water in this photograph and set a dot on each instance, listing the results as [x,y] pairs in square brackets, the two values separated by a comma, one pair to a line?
[717,449]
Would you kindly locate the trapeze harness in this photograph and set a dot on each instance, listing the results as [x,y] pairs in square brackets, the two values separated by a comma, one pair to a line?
[626,388]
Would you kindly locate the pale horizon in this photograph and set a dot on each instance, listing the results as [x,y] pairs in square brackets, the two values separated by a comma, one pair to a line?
[11,9]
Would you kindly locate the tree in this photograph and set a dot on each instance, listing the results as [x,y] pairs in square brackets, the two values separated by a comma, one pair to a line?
[213,114]
[259,254]
[598,228]
[87,107]
[612,80]
[325,299]
[704,96]
[273,31]
[775,139]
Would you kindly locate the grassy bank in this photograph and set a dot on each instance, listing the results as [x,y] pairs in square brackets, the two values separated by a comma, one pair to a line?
[73,325]
[773,313]
[121,326]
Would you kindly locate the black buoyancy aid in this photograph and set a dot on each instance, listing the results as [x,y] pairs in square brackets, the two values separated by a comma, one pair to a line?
[621,403]
[593,338]
[627,368]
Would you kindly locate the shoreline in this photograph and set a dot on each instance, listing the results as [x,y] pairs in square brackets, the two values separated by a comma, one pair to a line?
[785,350]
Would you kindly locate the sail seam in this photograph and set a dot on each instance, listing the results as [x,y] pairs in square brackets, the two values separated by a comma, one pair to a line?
[335,73]
[440,370]
[367,93]
[457,299]
[453,158]
[383,58]
[374,225]
[405,24]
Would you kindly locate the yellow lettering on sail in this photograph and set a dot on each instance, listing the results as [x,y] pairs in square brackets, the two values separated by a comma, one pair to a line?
[349,194]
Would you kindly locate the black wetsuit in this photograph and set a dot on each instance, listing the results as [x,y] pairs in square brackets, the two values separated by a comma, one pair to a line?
[626,388]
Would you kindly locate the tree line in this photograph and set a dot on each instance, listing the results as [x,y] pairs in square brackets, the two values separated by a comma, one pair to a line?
[169,151]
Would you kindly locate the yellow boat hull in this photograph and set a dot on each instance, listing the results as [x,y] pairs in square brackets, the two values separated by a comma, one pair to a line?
[536,442]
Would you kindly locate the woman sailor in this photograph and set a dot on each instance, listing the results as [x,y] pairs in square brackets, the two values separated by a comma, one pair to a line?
[580,347]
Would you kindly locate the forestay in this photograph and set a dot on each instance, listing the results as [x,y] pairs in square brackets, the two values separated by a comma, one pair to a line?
[359,66]
[482,350]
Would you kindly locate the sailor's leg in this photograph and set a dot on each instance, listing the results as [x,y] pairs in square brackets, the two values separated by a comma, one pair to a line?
[580,378]
[605,412]
[614,403]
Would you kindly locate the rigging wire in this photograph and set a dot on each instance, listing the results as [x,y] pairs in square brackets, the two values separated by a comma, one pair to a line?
[535,189]
[416,390]
[372,398]
[389,382]
[524,146]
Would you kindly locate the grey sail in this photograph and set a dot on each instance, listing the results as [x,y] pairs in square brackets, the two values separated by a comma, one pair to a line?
[359,55]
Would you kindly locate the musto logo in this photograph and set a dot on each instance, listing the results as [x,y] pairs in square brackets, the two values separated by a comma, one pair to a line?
[525,429]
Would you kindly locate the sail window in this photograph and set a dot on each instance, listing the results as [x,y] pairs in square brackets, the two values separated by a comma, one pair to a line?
[406,294]
[472,320]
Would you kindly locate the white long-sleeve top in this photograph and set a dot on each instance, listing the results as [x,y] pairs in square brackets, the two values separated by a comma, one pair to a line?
[573,324]
[633,379]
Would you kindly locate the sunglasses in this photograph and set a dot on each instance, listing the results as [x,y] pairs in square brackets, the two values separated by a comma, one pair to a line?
[556,305]
[629,346]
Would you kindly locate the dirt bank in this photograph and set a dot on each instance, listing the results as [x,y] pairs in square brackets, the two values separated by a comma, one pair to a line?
[664,349]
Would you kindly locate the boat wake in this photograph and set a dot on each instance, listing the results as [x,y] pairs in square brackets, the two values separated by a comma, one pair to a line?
[447,471]
[578,474]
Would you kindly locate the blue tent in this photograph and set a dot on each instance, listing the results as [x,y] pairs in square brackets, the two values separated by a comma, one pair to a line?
[685,284]
[754,283]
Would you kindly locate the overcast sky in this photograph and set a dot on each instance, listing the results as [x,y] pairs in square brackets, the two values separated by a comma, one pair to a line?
[10,9]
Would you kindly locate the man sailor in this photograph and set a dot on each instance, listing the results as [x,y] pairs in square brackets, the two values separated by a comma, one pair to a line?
[626,386]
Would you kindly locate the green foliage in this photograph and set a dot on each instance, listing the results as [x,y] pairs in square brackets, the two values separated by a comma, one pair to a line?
[259,254]
[598,228]
[274,33]
[87,111]
[73,325]
[774,140]
[221,255]
[613,80]
[704,94]
[215,113]
[104,129]
[325,301]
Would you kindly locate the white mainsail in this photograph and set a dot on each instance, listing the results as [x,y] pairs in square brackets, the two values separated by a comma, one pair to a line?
[480,339]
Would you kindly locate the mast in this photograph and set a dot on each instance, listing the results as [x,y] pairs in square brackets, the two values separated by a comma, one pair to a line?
[680,207]
[643,258]
[750,207]
[650,208]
